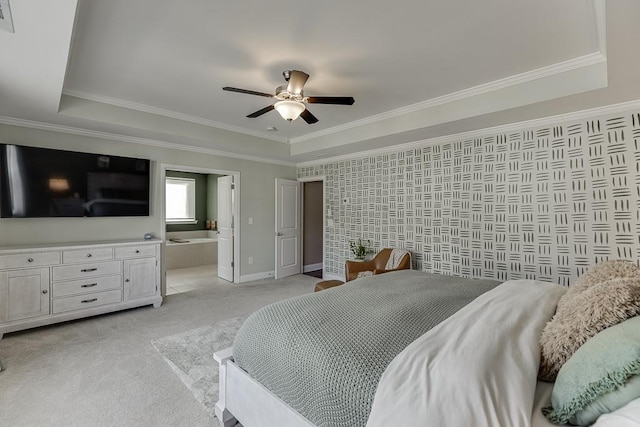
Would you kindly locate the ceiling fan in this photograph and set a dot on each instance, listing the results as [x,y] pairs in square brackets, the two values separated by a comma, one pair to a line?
[292,102]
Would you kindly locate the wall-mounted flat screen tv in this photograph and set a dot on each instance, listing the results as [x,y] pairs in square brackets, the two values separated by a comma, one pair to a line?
[41,182]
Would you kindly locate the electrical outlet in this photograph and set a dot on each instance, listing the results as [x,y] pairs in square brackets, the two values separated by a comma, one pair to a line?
[250,260]
[250,220]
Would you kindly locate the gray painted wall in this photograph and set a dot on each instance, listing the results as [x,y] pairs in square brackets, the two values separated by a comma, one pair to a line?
[312,211]
[212,199]
[256,200]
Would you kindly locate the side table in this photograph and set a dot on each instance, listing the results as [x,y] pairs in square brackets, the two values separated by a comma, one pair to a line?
[326,284]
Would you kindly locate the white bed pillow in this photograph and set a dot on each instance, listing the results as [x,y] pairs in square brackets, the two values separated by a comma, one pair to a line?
[477,368]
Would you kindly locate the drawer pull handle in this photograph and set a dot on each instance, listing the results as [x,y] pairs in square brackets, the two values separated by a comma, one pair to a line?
[137,251]
[88,270]
[90,285]
[88,255]
[89,300]
[30,260]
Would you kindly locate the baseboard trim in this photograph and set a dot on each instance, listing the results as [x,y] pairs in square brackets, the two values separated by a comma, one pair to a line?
[312,267]
[257,276]
[271,274]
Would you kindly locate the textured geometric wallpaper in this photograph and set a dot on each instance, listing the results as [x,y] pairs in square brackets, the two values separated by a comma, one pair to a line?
[540,203]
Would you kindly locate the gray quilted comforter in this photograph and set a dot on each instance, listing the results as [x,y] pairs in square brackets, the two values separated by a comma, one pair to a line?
[324,353]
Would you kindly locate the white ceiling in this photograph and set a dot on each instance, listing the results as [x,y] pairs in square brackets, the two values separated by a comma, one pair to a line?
[155,68]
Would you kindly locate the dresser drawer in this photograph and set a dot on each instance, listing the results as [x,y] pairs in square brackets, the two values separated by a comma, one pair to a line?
[82,302]
[107,268]
[88,285]
[31,259]
[135,251]
[86,255]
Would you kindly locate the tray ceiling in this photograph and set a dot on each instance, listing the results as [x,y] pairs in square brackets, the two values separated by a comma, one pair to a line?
[128,63]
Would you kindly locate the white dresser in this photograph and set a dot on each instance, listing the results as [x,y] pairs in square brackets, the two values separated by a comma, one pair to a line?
[53,283]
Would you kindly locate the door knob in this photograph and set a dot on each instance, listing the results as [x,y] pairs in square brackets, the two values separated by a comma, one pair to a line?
[279,234]
[44,291]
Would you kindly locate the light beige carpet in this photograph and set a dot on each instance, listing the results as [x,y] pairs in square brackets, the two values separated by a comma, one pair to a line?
[103,370]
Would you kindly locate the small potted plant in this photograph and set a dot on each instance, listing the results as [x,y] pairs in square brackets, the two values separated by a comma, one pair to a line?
[360,248]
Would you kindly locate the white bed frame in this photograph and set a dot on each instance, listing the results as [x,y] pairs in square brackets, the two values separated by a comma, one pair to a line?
[241,398]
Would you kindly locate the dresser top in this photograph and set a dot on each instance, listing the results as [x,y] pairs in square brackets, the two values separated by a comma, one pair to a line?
[76,245]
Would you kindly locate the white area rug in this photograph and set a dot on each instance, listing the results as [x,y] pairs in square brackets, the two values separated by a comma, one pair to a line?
[190,355]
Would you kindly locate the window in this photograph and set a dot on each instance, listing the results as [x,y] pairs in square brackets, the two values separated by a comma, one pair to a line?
[180,200]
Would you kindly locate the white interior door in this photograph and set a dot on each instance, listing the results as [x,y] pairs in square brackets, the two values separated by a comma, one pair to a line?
[288,229]
[225,227]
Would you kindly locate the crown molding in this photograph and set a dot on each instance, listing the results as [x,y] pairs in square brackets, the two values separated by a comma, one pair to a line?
[548,71]
[479,133]
[123,103]
[135,140]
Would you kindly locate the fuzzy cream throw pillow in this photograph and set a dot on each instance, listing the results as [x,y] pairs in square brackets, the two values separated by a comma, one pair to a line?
[604,296]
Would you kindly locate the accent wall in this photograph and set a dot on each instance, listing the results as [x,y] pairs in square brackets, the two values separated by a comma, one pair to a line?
[535,203]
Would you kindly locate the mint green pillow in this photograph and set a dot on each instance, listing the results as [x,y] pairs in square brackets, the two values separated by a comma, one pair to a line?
[602,375]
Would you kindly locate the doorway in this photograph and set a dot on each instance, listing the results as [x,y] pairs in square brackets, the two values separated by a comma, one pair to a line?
[313,227]
[191,213]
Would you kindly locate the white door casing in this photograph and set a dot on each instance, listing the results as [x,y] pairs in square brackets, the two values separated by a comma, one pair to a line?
[288,228]
[225,228]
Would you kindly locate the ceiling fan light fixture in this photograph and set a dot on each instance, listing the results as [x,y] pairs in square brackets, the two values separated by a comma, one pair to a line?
[289,110]
[291,101]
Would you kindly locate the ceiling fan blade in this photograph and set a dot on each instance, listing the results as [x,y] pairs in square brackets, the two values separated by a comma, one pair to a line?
[297,79]
[308,117]
[335,100]
[260,112]
[248,92]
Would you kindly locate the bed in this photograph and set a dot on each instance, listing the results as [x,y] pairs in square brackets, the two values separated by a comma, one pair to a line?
[404,348]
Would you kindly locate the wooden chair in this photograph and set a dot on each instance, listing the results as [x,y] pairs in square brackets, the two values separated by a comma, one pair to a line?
[377,265]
